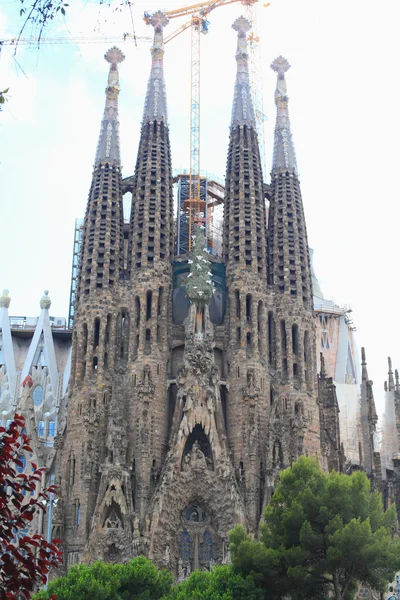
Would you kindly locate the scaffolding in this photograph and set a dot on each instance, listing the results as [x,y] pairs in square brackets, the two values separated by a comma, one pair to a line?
[212,198]
[75,270]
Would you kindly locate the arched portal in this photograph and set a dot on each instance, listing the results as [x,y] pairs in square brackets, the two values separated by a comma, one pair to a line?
[197,450]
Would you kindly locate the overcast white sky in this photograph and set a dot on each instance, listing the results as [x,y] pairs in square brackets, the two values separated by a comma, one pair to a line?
[344,104]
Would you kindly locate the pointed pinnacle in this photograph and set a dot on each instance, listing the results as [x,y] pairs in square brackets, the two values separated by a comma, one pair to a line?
[364,372]
[108,145]
[242,108]
[396,376]
[284,157]
[390,378]
[155,107]
[322,361]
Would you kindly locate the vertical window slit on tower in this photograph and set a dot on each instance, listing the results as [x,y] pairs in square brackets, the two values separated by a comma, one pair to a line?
[149,298]
[237,297]
[248,308]
[96,334]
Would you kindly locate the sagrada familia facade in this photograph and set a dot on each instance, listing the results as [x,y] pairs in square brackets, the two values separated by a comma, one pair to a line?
[182,408]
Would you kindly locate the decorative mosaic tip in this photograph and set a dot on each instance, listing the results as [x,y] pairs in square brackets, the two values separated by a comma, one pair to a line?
[5,299]
[114,56]
[390,364]
[241,25]
[159,20]
[280,65]
[45,301]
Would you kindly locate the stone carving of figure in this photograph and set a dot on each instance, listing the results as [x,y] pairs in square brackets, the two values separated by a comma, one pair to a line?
[186,462]
[198,458]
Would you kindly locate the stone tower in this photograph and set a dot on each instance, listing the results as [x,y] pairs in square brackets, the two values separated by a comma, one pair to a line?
[83,446]
[193,377]
[295,419]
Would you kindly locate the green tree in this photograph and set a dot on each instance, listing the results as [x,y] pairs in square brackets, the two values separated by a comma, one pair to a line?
[222,583]
[322,533]
[136,580]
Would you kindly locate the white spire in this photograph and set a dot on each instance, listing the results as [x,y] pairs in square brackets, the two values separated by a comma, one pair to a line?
[155,106]
[108,146]
[242,108]
[284,155]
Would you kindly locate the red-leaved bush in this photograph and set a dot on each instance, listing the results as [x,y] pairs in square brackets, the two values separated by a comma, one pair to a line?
[24,560]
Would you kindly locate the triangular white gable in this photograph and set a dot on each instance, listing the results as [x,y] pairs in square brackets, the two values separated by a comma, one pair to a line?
[43,326]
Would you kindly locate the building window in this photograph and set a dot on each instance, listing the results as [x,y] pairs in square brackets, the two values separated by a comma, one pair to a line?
[185,547]
[52,428]
[38,395]
[40,429]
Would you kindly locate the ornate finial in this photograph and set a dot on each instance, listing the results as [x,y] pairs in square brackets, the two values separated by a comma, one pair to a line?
[114,56]
[158,20]
[28,381]
[5,299]
[241,25]
[396,376]
[45,301]
[280,65]
[284,155]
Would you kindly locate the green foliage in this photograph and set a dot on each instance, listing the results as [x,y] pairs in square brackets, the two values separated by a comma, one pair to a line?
[321,532]
[3,97]
[222,583]
[136,580]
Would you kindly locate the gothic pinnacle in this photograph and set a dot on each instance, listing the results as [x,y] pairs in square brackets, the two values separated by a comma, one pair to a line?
[390,378]
[155,107]
[284,158]
[242,109]
[108,146]
[364,372]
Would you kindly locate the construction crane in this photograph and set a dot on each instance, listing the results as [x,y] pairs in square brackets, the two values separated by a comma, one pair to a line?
[198,23]
[100,39]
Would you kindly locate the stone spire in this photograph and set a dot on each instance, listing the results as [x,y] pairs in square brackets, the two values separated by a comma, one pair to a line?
[284,157]
[364,372]
[155,107]
[242,109]
[151,222]
[288,252]
[101,259]
[390,376]
[108,146]
[369,418]
[244,214]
